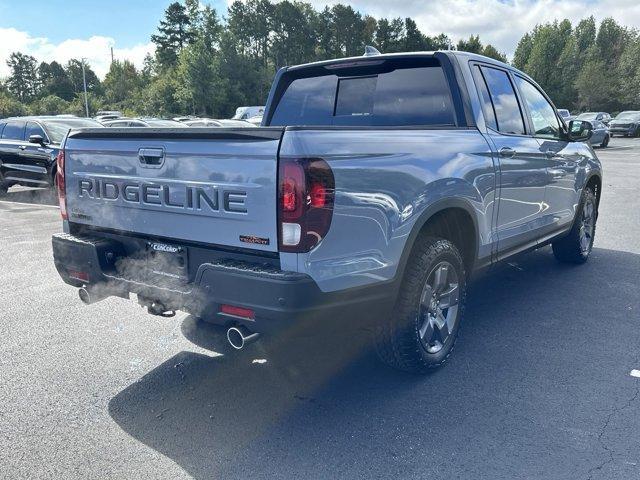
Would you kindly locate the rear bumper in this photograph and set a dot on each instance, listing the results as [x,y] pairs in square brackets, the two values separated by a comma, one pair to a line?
[279,299]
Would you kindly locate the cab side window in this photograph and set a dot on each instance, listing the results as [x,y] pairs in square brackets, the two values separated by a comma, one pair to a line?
[34,129]
[543,116]
[13,131]
[505,102]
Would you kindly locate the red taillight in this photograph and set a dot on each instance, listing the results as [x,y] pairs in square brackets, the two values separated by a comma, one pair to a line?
[305,203]
[62,197]
[238,311]
[292,189]
[318,195]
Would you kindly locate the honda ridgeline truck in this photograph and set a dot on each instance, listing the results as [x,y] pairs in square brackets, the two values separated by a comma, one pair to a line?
[373,189]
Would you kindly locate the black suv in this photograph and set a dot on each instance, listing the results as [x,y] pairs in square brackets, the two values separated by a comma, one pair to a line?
[29,146]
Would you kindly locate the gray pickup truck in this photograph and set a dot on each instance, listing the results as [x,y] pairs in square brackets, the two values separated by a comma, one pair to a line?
[374,188]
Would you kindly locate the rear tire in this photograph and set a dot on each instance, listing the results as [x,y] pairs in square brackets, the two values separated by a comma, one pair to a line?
[425,322]
[605,142]
[3,190]
[576,247]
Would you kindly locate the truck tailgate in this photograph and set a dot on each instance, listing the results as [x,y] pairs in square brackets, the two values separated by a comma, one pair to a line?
[213,186]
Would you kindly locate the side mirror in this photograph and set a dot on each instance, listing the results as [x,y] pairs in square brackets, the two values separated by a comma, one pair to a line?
[37,139]
[580,130]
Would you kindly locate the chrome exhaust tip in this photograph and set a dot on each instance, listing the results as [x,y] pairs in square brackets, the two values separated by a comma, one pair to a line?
[88,297]
[240,336]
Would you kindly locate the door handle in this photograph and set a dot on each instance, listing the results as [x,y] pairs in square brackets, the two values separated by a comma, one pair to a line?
[151,157]
[507,152]
[22,147]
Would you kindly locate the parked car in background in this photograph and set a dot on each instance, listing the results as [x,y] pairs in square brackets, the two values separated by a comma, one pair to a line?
[411,172]
[565,114]
[29,146]
[185,118]
[603,117]
[103,115]
[100,113]
[104,118]
[600,133]
[210,122]
[143,122]
[255,121]
[626,123]
[244,113]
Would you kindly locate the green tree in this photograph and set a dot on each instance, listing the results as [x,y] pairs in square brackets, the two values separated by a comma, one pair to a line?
[492,52]
[10,107]
[76,106]
[523,51]
[595,90]
[53,80]
[472,45]
[293,38]
[74,72]
[196,87]
[174,33]
[120,83]
[389,35]
[414,40]
[50,105]
[348,26]
[23,80]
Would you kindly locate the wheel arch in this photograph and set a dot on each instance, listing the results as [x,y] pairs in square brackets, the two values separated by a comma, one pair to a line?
[594,181]
[452,218]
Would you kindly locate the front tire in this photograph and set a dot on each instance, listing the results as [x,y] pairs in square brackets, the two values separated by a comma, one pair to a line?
[424,325]
[3,190]
[576,247]
[605,142]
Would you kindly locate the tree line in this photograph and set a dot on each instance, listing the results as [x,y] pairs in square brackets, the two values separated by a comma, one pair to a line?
[206,65]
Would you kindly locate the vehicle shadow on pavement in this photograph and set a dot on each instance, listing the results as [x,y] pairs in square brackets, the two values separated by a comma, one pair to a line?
[35,196]
[529,385]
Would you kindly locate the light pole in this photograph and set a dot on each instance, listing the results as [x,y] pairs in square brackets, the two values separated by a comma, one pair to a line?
[84,81]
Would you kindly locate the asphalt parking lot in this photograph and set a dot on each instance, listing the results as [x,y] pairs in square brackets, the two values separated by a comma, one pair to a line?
[539,386]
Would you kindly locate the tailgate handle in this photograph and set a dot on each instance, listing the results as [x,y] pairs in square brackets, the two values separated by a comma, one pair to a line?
[151,157]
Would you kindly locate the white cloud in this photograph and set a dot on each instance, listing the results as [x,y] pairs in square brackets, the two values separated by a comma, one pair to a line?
[500,22]
[96,50]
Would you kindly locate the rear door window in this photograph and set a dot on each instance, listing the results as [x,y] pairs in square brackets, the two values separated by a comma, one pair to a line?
[396,94]
[504,100]
[13,131]
[487,105]
[34,129]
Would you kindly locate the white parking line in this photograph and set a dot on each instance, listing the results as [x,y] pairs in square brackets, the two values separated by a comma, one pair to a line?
[635,373]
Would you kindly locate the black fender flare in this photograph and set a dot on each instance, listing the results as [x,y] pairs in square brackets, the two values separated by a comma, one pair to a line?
[428,214]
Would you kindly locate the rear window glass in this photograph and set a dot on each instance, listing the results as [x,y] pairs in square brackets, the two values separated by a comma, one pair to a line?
[13,131]
[383,95]
[355,96]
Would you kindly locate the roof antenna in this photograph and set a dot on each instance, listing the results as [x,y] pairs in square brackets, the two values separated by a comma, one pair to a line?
[370,51]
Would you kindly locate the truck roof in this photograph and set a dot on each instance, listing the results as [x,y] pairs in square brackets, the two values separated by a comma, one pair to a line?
[384,56]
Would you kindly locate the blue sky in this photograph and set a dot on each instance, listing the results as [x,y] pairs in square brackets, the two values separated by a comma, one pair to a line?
[128,21]
[60,30]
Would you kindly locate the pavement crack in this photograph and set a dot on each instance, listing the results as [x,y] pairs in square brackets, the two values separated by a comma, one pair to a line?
[603,430]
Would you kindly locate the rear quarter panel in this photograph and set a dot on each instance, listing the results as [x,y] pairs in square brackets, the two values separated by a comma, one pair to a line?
[386,179]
